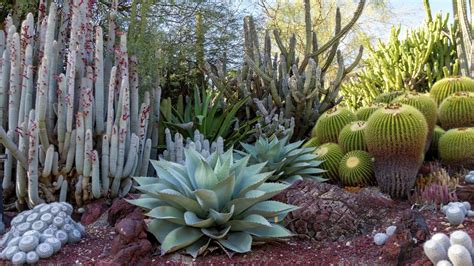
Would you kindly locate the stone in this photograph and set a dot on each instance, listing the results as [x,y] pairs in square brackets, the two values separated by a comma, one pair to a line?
[135,253]
[120,209]
[93,211]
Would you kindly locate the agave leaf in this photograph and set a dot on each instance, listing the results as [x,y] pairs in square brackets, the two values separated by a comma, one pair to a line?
[240,242]
[207,199]
[198,247]
[249,149]
[193,220]
[222,168]
[160,228]
[147,203]
[193,158]
[274,231]
[293,146]
[177,183]
[306,171]
[269,208]
[145,180]
[214,233]
[292,179]
[249,222]
[239,165]
[241,204]
[222,217]
[152,189]
[167,213]
[251,182]
[224,190]
[205,177]
[179,238]
[185,203]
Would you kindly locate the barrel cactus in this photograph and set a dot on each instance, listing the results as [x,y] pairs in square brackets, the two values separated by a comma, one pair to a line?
[330,124]
[352,137]
[447,86]
[438,132]
[456,147]
[331,154]
[36,234]
[387,97]
[356,169]
[396,137]
[365,112]
[312,142]
[288,161]
[426,105]
[218,201]
[457,110]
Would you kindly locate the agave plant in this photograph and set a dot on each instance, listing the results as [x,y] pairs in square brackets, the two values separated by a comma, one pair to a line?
[219,201]
[289,161]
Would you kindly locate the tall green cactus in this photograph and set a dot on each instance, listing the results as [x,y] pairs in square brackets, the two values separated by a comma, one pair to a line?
[416,62]
[85,133]
[297,88]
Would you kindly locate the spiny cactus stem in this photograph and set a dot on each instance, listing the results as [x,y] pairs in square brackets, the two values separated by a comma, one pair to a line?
[10,145]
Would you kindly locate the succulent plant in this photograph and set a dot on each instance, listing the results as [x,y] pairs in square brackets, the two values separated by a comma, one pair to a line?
[330,124]
[217,201]
[457,110]
[447,86]
[352,137]
[456,147]
[469,178]
[453,250]
[331,154]
[312,142]
[365,112]
[387,97]
[38,234]
[438,132]
[396,137]
[356,169]
[288,161]
[426,105]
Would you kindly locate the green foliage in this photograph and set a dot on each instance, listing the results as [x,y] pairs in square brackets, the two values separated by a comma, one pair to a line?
[331,154]
[312,142]
[288,161]
[456,147]
[387,97]
[365,112]
[356,169]
[330,124]
[396,137]
[210,114]
[425,55]
[352,137]
[438,132]
[220,201]
[457,110]
[447,86]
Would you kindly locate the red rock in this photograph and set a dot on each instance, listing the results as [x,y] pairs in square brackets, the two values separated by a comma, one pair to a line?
[135,253]
[93,211]
[128,229]
[120,209]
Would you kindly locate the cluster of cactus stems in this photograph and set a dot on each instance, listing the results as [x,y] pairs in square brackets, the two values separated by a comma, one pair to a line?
[298,89]
[415,62]
[175,148]
[464,46]
[76,126]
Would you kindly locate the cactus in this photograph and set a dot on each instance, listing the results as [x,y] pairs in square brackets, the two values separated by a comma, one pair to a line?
[456,147]
[365,112]
[356,169]
[396,137]
[438,132]
[413,63]
[447,86]
[457,111]
[387,97]
[331,123]
[85,126]
[352,137]
[331,154]
[297,88]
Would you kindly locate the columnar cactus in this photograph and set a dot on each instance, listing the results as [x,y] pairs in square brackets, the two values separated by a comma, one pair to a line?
[85,133]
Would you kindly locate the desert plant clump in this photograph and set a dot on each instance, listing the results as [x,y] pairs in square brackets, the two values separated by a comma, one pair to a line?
[388,97]
[331,154]
[453,250]
[456,147]
[288,161]
[396,137]
[356,169]
[219,201]
[447,86]
[457,111]
[352,137]
[426,105]
[331,123]
[40,232]
[365,112]
[312,142]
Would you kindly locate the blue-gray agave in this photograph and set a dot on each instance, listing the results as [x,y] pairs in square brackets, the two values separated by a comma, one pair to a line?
[289,161]
[219,200]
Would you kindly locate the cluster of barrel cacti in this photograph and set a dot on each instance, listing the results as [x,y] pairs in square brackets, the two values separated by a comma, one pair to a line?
[399,131]
[39,233]
[416,62]
[75,128]
[298,89]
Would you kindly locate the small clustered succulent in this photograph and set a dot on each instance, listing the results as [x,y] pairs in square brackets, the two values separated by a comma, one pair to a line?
[453,250]
[469,178]
[216,202]
[381,238]
[289,161]
[456,212]
[39,233]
